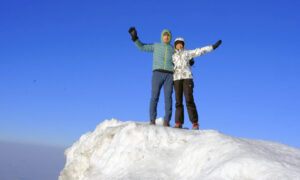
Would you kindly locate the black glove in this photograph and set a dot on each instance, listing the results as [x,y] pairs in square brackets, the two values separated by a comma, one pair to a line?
[192,62]
[133,34]
[217,44]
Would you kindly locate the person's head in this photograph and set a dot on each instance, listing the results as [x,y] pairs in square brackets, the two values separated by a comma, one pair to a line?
[179,43]
[166,36]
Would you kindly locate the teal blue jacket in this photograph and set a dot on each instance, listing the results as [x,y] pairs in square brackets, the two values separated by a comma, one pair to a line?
[162,53]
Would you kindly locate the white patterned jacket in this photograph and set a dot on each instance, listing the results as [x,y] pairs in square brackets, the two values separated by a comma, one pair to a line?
[181,60]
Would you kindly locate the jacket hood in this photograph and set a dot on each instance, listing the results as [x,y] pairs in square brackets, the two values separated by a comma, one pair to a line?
[162,33]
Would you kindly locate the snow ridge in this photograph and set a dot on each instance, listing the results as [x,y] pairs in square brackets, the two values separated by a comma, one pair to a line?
[136,150]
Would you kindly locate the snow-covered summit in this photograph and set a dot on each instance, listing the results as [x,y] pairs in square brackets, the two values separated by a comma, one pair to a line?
[136,150]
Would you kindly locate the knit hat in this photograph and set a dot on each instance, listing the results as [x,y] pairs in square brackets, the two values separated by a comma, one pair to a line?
[179,40]
[166,33]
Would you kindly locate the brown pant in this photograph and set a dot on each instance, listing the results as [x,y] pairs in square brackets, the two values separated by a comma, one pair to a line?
[185,87]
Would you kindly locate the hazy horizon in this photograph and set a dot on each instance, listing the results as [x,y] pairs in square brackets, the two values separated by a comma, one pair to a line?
[21,161]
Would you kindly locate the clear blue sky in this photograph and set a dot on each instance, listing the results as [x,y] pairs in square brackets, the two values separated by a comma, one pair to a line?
[65,66]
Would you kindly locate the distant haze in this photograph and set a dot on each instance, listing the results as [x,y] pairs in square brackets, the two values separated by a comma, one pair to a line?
[30,162]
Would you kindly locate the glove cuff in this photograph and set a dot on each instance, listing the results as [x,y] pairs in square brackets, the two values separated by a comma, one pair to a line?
[134,38]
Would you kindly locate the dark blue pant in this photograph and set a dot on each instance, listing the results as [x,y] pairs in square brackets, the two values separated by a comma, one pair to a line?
[160,79]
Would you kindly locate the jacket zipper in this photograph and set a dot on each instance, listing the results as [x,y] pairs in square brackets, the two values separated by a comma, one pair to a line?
[165,57]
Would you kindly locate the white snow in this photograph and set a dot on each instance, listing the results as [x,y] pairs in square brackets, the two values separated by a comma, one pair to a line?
[136,150]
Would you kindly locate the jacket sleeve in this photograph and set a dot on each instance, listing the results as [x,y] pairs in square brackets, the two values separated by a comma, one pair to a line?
[144,47]
[199,51]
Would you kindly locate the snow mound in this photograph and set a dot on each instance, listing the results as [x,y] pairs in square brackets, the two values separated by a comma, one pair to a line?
[136,150]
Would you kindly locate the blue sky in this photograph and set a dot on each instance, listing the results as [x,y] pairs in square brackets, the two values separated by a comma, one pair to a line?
[65,66]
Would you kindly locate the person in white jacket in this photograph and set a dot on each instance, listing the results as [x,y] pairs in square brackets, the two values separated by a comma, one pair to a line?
[183,80]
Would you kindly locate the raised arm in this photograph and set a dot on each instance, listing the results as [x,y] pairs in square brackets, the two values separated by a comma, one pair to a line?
[144,47]
[203,50]
[199,51]
[138,43]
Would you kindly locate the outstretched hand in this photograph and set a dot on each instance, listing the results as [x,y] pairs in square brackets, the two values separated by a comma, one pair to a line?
[133,33]
[217,44]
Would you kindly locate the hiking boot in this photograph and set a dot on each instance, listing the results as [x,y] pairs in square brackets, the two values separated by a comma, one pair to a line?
[166,123]
[152,122]
[178,125]
[195,126]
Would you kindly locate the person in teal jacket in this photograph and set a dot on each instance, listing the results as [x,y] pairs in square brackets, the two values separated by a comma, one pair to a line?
[162,72]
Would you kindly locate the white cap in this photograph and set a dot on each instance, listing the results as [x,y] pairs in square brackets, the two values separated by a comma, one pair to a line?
[179,39]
